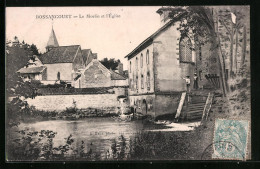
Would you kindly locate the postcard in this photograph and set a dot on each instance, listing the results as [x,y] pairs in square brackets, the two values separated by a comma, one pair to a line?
[119,83]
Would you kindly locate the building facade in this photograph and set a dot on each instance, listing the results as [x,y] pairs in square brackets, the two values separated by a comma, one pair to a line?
[96,75]
[158,65]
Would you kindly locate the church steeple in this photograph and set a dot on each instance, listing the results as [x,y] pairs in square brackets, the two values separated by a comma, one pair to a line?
[52,42]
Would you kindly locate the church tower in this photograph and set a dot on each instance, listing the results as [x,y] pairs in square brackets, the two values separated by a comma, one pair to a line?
[52,42]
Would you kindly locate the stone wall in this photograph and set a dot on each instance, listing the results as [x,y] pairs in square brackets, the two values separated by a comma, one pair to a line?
[169,72]
[144,104]
[156,104]
[166,104]
[61,102]
[206,61]
[65,70]
[95,77]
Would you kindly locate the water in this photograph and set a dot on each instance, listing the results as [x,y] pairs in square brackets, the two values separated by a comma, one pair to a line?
[98,134]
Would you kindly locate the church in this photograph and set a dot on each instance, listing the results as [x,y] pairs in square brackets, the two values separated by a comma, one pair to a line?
[158,65]
[76,67]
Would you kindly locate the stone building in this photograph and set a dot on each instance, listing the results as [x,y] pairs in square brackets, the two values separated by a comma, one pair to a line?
[34,70]
[96,75]
[64,62]
[157,66]
[33,73]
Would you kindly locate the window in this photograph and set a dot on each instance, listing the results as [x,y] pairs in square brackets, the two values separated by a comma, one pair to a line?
[130,69]
[141,60]
[200,56]
[136,64]
[136,83]
[185,50]
[147,57]
[58,75]
[131,84]
[142,81]
[148,81]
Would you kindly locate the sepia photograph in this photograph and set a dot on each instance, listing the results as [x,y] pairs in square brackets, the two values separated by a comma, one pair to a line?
[127,83]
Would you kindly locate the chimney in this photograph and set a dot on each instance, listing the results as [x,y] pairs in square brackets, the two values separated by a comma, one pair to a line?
[94,55]
[120,68]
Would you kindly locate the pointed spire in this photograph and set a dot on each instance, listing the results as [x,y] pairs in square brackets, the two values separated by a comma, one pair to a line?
[52,42]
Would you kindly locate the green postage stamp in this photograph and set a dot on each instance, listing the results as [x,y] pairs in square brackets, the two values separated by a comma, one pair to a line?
[230,139]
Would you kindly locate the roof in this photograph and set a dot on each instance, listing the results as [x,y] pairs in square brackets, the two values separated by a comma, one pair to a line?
[61,54]
[149,40]
[116,76]
[31,69]
[52,42]
[85,55]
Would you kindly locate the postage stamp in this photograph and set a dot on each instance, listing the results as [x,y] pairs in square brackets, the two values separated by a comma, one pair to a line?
[230,139]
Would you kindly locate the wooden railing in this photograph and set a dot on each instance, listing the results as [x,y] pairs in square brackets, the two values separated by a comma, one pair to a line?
[182,100]
[207,107]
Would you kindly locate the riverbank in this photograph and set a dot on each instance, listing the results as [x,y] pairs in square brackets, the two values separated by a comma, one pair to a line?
[159,140]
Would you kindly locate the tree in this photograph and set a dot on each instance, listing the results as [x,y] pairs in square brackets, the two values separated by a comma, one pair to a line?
[34,49]
[111,63]
[17,58]
[198,23]
[201,24]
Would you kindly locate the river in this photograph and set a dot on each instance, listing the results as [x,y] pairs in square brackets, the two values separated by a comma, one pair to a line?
[98,134]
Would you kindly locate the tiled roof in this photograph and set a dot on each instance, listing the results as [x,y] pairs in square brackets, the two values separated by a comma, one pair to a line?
[61,54]
[116,76]
[32,69]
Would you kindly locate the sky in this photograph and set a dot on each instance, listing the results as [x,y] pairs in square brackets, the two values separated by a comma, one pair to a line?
[107,36]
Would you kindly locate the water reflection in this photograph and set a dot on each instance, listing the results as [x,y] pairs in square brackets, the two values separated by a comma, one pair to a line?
[103,136]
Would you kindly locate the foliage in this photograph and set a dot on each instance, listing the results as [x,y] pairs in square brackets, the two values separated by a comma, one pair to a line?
[200,24]
[110,63]
[16,58]
[73,109]
[34,49]
[149,145]
[37,145]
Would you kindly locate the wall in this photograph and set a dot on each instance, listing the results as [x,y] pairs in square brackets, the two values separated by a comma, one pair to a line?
[166,104]
[141,71]
[119,82]
[65,70]
[156,104]
[169,72]
[60,102]
[120,91]
[139,103]
[206,63]
[95,77]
